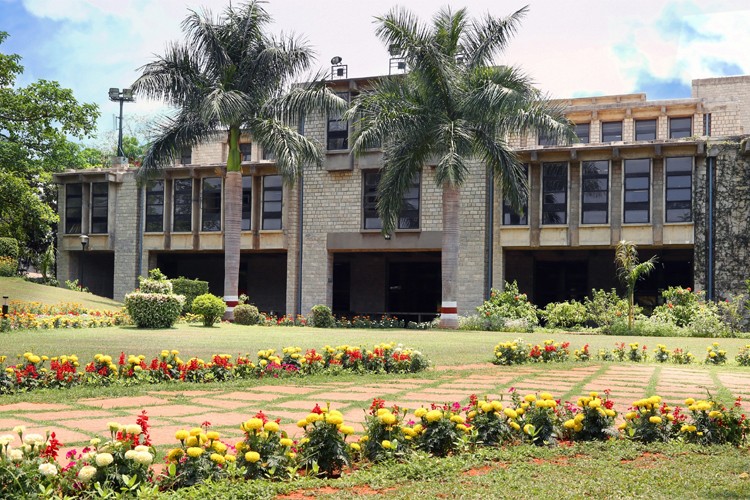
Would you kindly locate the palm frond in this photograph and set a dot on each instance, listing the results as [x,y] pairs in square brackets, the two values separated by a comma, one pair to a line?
[304,99]
[482,40]
[449,27]
[504,165]
[293,151]
[174,78]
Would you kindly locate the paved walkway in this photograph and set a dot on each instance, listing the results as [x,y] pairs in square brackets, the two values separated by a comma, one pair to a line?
[168,411]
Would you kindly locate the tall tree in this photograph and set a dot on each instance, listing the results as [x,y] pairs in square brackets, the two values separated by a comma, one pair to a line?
[230,77]
[630,270]
[452,107]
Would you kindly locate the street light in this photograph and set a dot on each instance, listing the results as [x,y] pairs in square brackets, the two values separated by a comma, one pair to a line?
[84,243]
[125,96]
[5,305]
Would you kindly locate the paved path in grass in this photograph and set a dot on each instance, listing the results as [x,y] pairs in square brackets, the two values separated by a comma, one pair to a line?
[168,411]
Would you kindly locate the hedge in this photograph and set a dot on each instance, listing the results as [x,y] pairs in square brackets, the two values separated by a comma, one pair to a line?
[190,289]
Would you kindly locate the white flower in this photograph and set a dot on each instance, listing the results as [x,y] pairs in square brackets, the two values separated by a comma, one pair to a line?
[133,429]
[104,459]
[144,458]
[95,442]
[48,470]
[33,439]
[130,454]
[15,455]
[141,447]
[86,473]
[6,439]
[19,429]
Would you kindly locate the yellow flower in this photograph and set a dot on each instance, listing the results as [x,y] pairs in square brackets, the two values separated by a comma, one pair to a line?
[655,420]
[386,444]
[387,418]
[253,424]
[191,441]
[346,430]
[196,431]
[216,458]
[181,435]
[530,398]
[433,415]
[354,446]
[301,423]
[497,405]
[457,419]
[194,451]
[175,454]
[569,424]
[313,417]
[212,435]
[271,426]
[622,426]
[335,419]
[252,456]
[528,429]
[421,412]
[510,413]
[714,414]
[515,426]
[595,403]
[286,442]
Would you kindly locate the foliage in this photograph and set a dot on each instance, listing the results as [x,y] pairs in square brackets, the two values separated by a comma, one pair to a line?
[201,457]
[630,271]
[509,304]
[649,420]
[210,307]
[155,283]
[384,321]
[743,356]
[568,314]
[714,355]
[441,430]
[386,437]
[680,305]
[647,327]
[8,266]
[75,286]
[322,317]
[536,416]
[714,423]
[266,451]
[9,247]
[153,310]
[190,289]
[323,450]
[592,418]
[489,424]
[245,314]
[605,308]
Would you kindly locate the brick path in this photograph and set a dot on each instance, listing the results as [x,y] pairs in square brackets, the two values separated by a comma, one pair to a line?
[168,411]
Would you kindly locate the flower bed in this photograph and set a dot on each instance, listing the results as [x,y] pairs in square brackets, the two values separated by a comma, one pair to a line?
[38,316]
[32,372]
[327,448]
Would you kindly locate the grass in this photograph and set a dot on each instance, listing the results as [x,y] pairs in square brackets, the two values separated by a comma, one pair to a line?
[20,289]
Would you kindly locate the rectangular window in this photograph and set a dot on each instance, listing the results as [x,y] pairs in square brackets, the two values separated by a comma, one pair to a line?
[73,208]
[246,150]
[583,132]
[155,206]
[408,217]
[182,221]
[211,204]
[637,206]
[247,202]
[268,155]
[680,127]
[186,156]
[338,129]
[645,130]
[595,192]
[611,131]
[679,189]
[707,124]
[545,140]
[510,216]
[554,193]
[272,202]
[99,207]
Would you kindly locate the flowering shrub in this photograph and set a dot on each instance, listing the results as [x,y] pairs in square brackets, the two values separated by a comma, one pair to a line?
[680,305]
[582,354]
[153,310]
[743,357]
[714,355]
[590,419]
[511,353]
[568,314]
[442,429]
[488,423]
[714,423]
[537,416]
[8,266]
[29,466]
[550,351]
[605,308]
[266,451]
[322,317]
[210,307]
[201,456]
[323,450]
[510,304]
[661,354]
[648,420]
[384,438]
[682,357]
[35,316]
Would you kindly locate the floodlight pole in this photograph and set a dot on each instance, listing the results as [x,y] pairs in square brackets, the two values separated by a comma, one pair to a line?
[125,96]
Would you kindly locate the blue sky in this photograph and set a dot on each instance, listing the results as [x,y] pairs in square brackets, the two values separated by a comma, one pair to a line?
[569,47]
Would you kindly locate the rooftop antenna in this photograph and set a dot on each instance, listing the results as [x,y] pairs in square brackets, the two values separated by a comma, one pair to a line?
[338,70]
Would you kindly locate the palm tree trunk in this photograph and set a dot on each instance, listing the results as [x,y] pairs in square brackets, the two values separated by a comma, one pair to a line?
[232,223]
[449,259]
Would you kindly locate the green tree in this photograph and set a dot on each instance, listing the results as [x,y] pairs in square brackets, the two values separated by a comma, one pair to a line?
[229,77]
[451,108]
[630,271]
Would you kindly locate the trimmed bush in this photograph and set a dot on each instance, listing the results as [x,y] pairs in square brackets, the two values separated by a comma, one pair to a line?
[509,304]
[8,266]
[153,310]
[9,248]
[566,314]
[148,285]
[210,307]
[190,289]
[322,317]
[245,314]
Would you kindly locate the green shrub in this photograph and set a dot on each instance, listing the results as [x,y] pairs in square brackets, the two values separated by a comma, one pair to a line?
[566,314]
[605,308]
[190,289]
[322,317]
[245,314]
[148,285]
[509,304]
[9,248]
[706,322]
[647,327]
[153,310]
[8,266]
[210,307]
[680,305]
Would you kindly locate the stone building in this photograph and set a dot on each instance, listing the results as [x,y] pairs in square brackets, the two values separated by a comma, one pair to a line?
[671,175]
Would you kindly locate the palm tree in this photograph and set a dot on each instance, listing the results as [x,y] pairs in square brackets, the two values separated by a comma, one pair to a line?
[230,77]
[630,271]
[452,107]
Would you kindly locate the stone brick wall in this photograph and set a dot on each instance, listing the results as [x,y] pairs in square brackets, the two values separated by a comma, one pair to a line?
[124,235]
[728,101]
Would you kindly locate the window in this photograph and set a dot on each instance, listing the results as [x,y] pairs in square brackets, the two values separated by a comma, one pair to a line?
[186,156]
[73,208]
[268,155]
[637,191]
[554,193]
[680,127]
[679,187]
[583,131]
[183,205]
[611,131]
[211,206]
[408,217]
[272,202]
[99,207]
[155,206]
[707,124]
[510,216]
[545,140]
[338,129]
[246,150]
[247,202]
[645,130]
[595,192]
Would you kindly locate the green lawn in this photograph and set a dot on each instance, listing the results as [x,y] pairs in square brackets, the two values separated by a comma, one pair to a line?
[19,289]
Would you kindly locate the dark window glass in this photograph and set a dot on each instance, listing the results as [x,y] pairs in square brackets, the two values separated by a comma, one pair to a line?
[272,202]
[679,189]
[155,206]
[99,207]
[554,193]
[595,192]
[73,208]
[645,130]
[268,155]
[583,131]
[680,127]
[707,124]
[247,202]
[611,131]
[510,216]
[637,206]
[186,156]
[338,129]
[408,217]
[545,140]
[183,206]
[246,150]
[211,204]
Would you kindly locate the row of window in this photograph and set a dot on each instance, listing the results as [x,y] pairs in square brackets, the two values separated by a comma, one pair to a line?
[99,203]
[595,192]
[645,130]
[246,150]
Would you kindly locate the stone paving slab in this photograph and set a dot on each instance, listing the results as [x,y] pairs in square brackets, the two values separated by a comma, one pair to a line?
[31,407]
[129,402]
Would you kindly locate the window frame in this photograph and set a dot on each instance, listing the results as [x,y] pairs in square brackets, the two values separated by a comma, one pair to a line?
[247,190]
[544,192]
[246,157]
[214,211]
[678,173]
[340,133]
[189,215]
[271,189]
[370,190]
[510,214]
[625,190]
[186,153]
[97,220]
[642,122]
[673,132]
[588,133]
[603,126]
[70,228]
[150,193]
[608,191]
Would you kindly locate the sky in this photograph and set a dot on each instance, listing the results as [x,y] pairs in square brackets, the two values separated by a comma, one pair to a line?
[570,48]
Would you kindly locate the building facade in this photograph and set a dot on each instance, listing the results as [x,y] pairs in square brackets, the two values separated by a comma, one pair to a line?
[671,175]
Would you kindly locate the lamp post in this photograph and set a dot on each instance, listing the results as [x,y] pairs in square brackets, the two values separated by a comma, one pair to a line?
[84,243]
[5,305]
[125,96]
